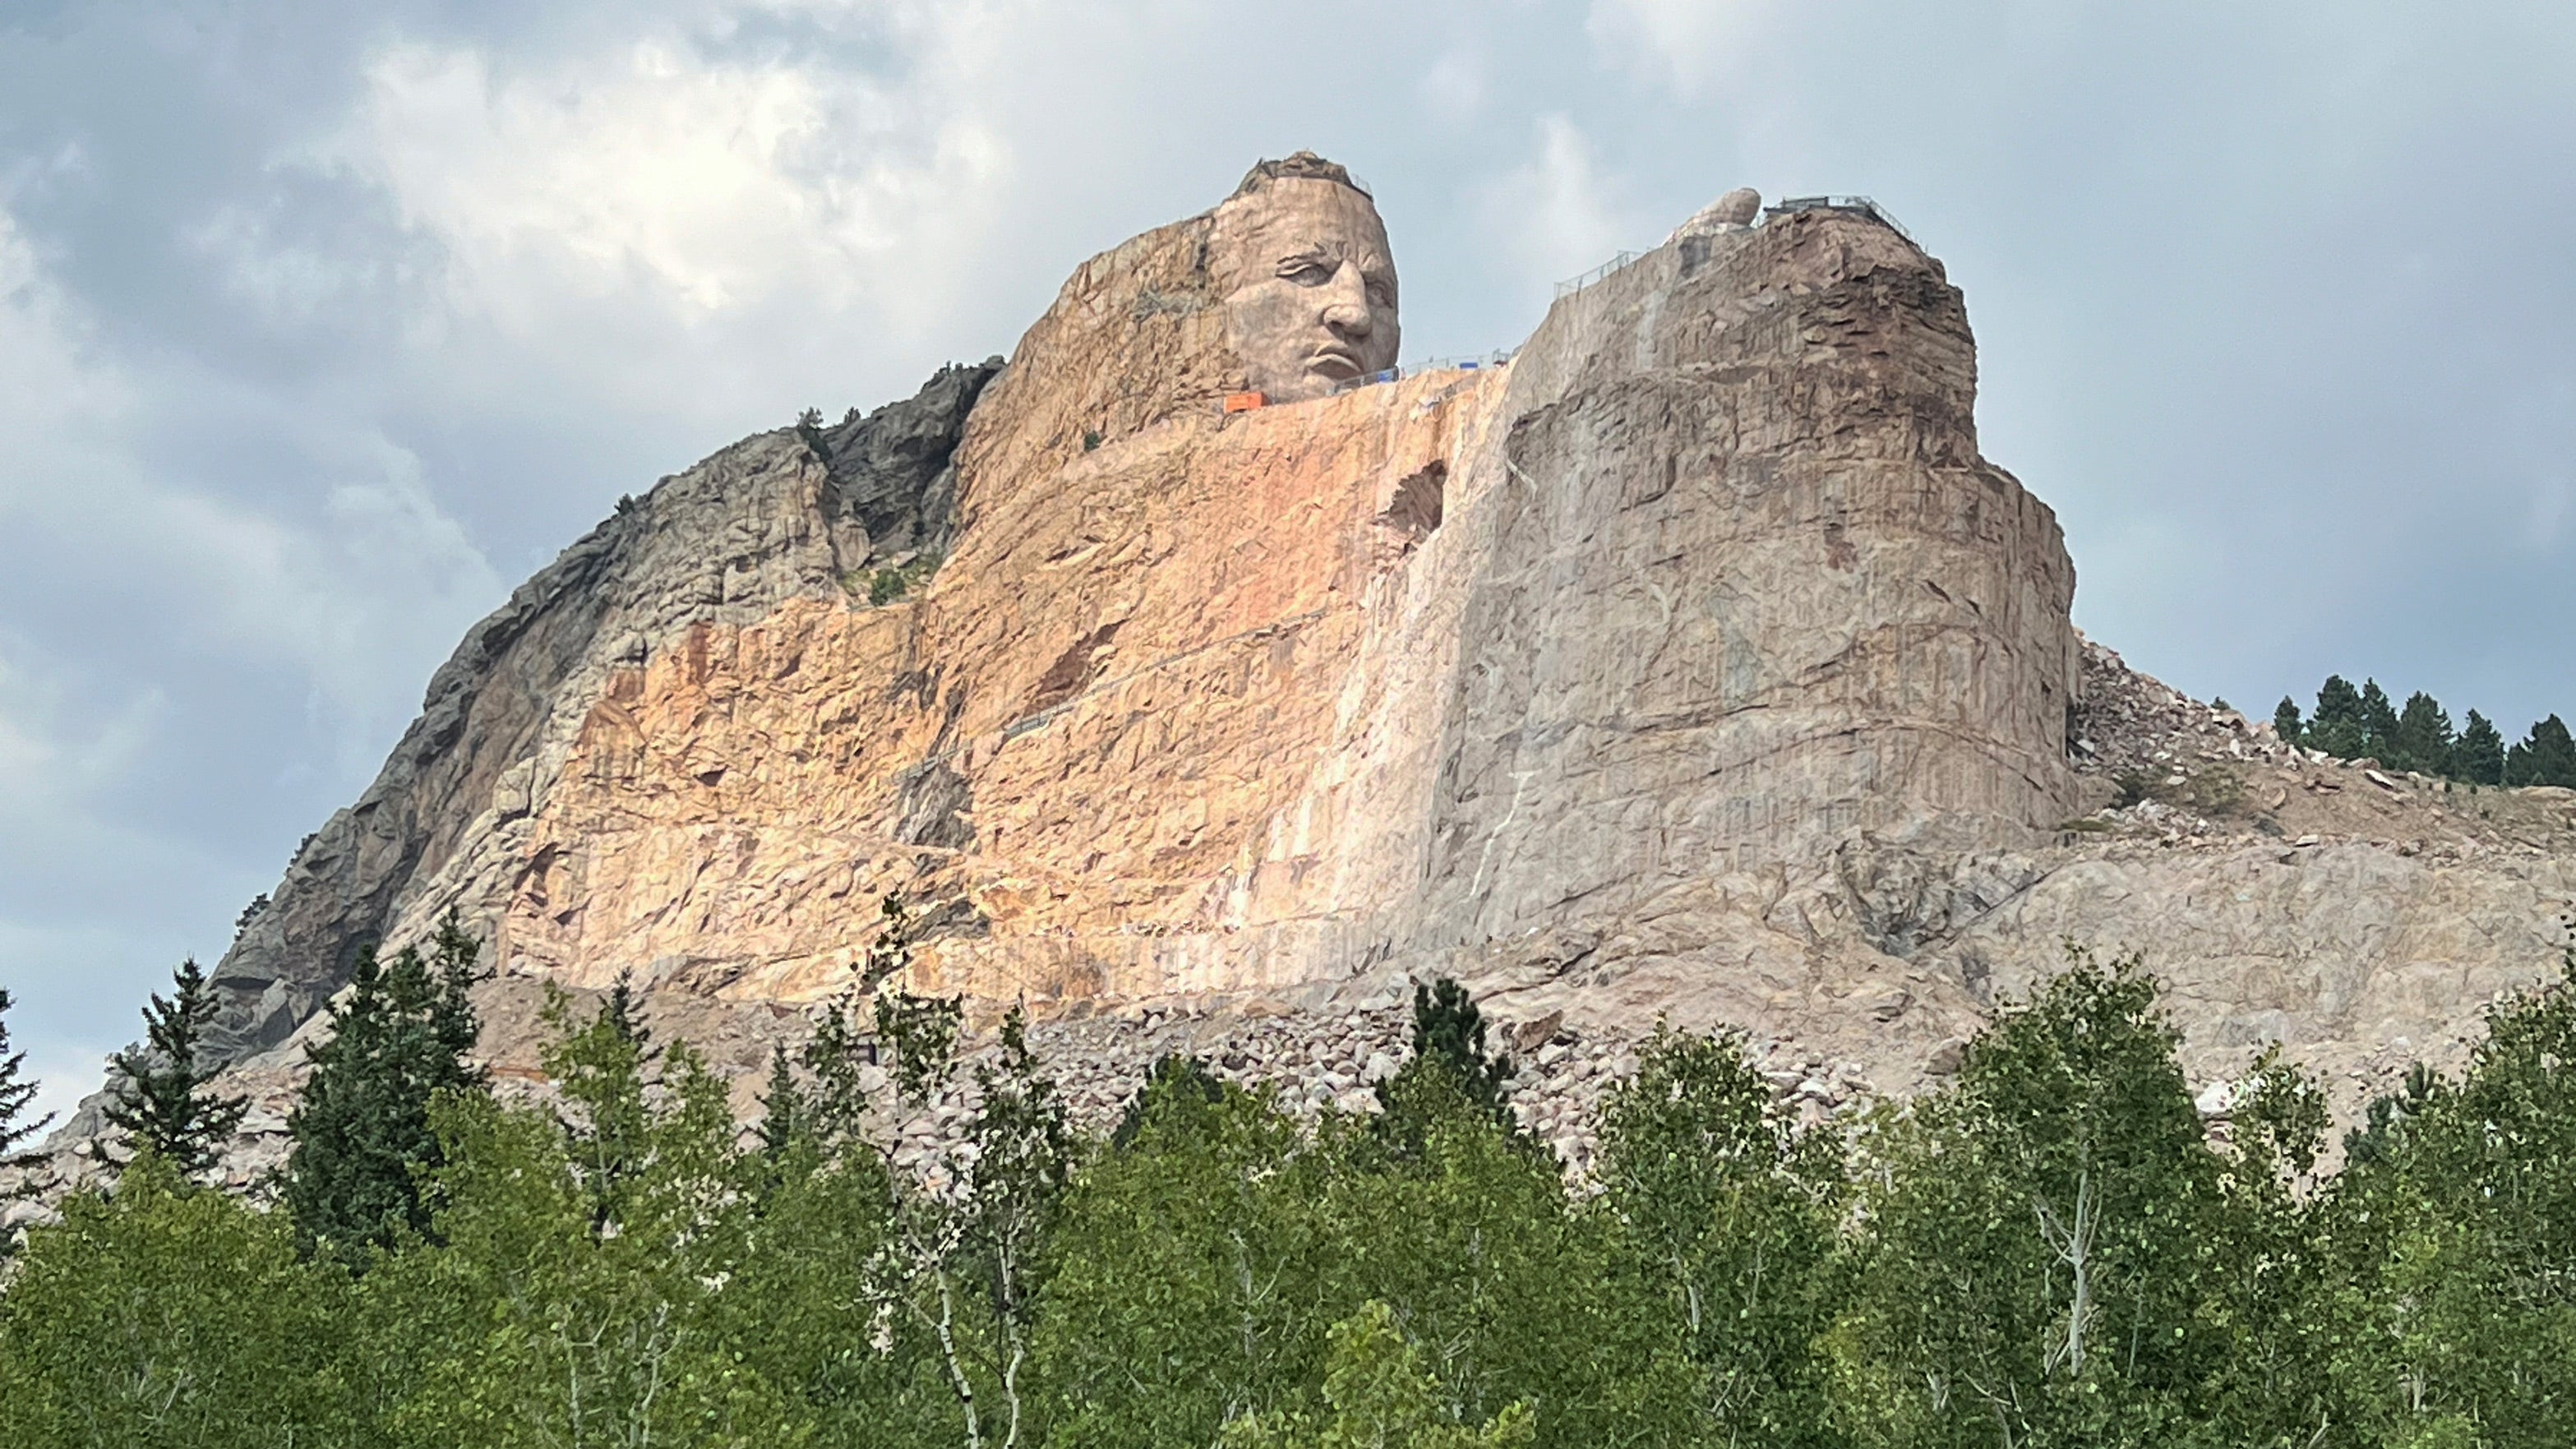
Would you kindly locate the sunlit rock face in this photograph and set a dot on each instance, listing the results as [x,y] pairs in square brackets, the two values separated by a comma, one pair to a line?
[1693,664]
[1439,674]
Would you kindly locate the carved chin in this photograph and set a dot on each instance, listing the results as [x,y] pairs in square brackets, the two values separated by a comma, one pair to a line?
[1290,380]
[1307,374]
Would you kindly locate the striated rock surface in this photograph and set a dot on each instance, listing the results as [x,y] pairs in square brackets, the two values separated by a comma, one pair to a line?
[765,521]
[1694,665]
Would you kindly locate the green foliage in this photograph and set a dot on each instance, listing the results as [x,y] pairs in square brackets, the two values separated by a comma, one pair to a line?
[2478,755]
[158,1099]
[891,583]
[2354,724]
[602,1066]
[2423,739]
[1170,1075]
[1514,1293]
[2387,1113]
[2055,1250]
[920,1034]
[1449,1060]
[1380,1398]
[2286,722]
[2546,756]
[2457,1233]
[400,1036]
[1192,1273]
[169,1315]
[575,1296]
[842,1053]
[2378,721]
[16,1094]
[1728,1214]
[2055,1254]
[2337,726]
[787,1118]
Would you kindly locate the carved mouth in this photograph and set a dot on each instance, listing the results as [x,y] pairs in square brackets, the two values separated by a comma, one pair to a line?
[1334,362]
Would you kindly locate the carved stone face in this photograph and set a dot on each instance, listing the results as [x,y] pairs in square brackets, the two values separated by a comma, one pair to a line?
[1309,286]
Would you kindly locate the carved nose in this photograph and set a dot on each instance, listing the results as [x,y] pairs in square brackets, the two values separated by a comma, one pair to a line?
[1346,308]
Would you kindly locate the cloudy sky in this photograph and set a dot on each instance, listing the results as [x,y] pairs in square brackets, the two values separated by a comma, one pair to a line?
[322,322]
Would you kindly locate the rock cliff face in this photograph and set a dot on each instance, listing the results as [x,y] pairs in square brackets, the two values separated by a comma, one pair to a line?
[1710,579]
[768,520]
[1694,664]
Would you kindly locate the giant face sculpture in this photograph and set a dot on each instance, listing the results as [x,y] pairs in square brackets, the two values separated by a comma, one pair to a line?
[1309,285]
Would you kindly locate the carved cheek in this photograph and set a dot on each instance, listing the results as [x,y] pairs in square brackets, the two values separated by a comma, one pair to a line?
[1258,313]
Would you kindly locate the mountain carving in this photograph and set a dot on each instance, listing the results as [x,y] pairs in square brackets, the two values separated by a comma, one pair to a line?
[1693,664]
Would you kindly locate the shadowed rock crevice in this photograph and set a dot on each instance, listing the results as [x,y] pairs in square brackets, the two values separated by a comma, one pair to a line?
[1414,513]
[1072,669]
[932,806]
[890,485]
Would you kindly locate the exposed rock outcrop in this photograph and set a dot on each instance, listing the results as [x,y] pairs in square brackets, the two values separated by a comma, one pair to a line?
[732,539]
[1694,665]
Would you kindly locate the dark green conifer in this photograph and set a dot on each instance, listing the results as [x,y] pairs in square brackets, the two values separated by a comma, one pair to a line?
[785,1117]
[2286,722]
[16,1095]
[2378,721]
[2546,756]
[157,1100]
[2423,739]
[401,1034]
[2478,755]
[1172,1077]
[2336,726]
[1449,1040]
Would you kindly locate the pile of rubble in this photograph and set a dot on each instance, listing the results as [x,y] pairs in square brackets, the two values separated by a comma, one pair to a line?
[1312,1062]
[2133,727]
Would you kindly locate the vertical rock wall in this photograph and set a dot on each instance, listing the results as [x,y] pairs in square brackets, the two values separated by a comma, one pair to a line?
[1744,589]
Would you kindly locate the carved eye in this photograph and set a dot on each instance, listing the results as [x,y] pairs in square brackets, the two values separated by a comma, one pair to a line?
[1381,294]
[1307,273]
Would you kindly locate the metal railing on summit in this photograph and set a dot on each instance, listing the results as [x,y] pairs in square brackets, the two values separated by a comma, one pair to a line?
[1572,285]
[1472,362]
[1861,204]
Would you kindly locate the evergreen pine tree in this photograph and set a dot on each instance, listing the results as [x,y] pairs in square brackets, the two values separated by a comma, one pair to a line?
[158,1100]
[1449,1037]
[16,1095]
[2286,722]
[2336,726]
[363,1139]
[2546,756]
[617,1015]
[2423,737]
[453,955]
[2378,721]
[2478,756]
[785,1119]
[1172,1076]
